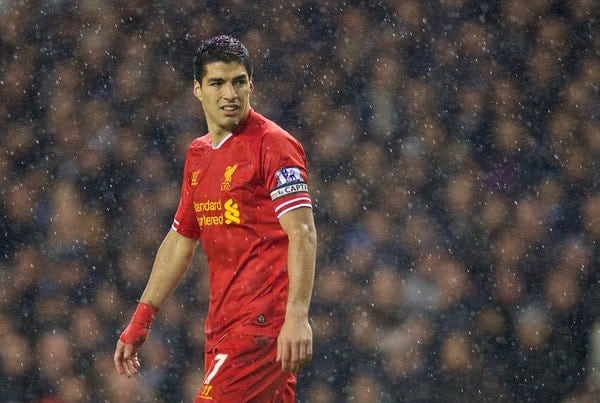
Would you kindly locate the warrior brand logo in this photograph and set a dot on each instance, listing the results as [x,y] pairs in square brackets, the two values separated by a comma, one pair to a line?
[226,185]
[205,392]
[210,212]
[194,181]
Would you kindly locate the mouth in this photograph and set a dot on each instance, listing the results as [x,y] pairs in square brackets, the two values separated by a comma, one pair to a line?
[230,110]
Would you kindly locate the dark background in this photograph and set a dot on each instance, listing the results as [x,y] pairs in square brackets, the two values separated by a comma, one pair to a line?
[453,150]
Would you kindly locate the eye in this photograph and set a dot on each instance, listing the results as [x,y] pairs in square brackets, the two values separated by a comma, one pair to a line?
[240,83]
[215,82]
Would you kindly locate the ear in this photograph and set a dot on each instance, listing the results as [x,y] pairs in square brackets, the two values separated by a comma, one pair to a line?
[197,90]
[251,86]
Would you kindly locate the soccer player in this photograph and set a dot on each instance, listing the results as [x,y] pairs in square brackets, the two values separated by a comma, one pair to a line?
[245,197]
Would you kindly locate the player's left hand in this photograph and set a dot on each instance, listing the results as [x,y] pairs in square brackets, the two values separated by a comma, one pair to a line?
[294,344]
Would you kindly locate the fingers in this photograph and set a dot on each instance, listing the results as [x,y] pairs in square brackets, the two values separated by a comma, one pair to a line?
[305,355]
[126,360]
[293,355]
[130,357]
[133,365]
[283,353]
[118,357]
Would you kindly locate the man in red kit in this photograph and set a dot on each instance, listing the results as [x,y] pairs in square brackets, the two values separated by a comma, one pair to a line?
[245,197]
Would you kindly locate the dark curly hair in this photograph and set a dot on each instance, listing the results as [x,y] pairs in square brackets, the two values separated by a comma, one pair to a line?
[221,48]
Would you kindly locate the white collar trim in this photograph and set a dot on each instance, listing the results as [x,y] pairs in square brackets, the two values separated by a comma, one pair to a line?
[222,141]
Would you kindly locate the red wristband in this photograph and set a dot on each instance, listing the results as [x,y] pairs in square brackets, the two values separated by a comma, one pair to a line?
[144,314]
[137,330]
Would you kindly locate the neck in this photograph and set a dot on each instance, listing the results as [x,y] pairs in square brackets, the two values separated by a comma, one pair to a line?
[218,134]
[218,137]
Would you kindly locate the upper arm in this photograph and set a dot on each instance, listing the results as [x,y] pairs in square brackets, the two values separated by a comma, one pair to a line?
[171,262]
[184,221]
[299,223]
[178,246]
[283,172]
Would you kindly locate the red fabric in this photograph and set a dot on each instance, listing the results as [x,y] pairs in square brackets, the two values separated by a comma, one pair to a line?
[137,330]
[242,368]
[231,198]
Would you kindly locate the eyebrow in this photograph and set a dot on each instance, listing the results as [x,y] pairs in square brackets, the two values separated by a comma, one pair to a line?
[215,79]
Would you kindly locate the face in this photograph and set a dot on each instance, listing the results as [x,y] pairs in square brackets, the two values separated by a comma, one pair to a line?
[225,97]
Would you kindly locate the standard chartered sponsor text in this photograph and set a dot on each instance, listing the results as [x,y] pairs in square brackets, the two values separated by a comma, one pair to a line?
[206,220]
[217,217]
[209,205]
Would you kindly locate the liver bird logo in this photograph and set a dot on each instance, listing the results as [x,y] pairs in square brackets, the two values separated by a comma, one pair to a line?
[226,185]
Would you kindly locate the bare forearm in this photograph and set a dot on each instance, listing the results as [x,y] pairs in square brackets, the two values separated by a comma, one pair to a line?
[171,262]
[301,272]
[301,266]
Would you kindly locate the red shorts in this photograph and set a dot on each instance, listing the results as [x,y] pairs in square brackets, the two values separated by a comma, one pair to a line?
[242,368]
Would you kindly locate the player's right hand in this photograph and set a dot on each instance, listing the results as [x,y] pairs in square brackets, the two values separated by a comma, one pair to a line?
[126,359]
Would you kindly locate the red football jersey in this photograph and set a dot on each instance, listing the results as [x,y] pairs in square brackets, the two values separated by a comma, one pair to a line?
[231,198]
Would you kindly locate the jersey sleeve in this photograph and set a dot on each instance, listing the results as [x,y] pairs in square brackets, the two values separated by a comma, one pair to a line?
[185,222]
[285,173]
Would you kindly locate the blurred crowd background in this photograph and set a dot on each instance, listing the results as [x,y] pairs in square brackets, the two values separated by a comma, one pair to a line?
[453,150]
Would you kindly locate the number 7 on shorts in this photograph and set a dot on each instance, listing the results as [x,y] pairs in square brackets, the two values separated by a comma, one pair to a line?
[218,363]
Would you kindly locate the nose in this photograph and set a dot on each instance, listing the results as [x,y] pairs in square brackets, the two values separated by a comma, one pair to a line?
[229,91]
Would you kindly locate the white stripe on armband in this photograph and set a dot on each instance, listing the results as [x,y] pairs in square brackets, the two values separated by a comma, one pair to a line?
[293,208]
[296,200]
